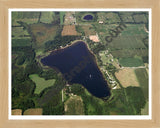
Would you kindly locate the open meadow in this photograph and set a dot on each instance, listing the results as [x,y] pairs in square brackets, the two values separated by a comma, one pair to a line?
[41,83]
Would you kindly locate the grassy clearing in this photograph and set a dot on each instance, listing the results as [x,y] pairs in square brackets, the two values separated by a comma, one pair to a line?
[142,77]
[74,106]
[62,14]
[127,77]
[47,17]
[41,83]
[131,62]
[33,111]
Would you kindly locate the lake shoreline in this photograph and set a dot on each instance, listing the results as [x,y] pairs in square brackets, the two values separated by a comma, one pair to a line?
[91,53]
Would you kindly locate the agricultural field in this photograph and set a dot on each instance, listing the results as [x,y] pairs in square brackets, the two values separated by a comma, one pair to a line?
[16,112]
[62,14]
[127,17]
[129,53]
[140,18]
[74,106]
[131,62]
[26,17]
[142,77]
[127,77]
[108,17]
[69,30]
[19,32]
[47,17]
[21,42]
[33,111]
[41,83]
[43,32]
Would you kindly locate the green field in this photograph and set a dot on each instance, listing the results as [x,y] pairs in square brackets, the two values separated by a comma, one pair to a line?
[130,38]
[135,98]
[41,83]
[21,42]
[19,32]
[62,14]
[27,17]
[140,18]
[131,62]
[127,16]
[108,17]
[125,53]
[142,77]
[47,17]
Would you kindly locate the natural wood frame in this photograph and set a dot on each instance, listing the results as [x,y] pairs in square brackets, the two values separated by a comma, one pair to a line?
[6,4]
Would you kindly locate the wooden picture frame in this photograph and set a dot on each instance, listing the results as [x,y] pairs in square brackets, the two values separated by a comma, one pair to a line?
[4,63]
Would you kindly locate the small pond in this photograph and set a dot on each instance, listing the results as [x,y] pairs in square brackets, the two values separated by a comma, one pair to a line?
[88,17]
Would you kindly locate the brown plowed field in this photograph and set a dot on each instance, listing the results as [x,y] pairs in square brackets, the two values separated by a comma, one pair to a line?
[69,30]
[34,111]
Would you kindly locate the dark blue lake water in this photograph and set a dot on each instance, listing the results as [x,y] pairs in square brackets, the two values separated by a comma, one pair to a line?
[88,17]
[78,65]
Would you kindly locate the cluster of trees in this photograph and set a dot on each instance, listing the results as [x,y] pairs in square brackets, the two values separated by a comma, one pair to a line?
[110,66]
[60,41]
[23,87]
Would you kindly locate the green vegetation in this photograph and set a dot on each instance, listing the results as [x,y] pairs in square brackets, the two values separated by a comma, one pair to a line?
[27,17]
[41,83]
[47,17]
[21,42]
[109,17]
[62,14]
[131,62]
[74,106]
[142,77]
[136,98]
[19,32]
[121,103]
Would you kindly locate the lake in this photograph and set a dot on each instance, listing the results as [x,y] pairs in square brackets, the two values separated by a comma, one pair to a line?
[78,65]
[88,17]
